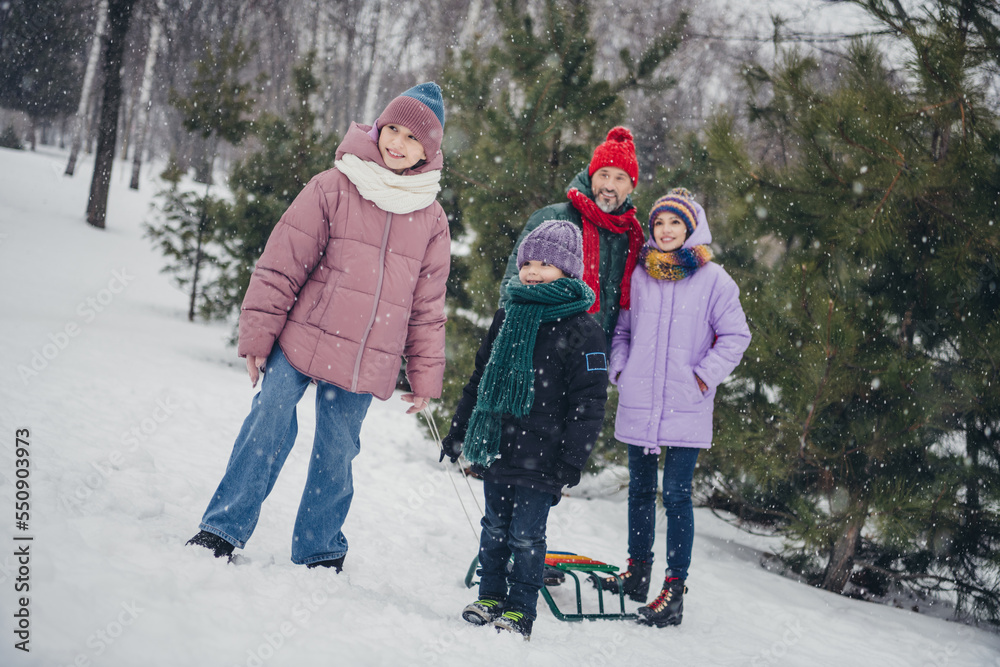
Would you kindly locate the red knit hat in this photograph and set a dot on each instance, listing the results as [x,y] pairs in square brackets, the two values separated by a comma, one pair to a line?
[617,151]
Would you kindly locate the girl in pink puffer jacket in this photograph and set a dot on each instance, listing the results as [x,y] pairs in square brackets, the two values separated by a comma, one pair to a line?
[351,281]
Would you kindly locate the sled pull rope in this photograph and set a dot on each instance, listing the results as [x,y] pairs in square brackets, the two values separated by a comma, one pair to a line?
[432,424]
[437,435]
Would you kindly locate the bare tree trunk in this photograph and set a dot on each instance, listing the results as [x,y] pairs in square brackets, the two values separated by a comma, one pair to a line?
[93,115]
[119,14]
[314,29]
[383,29]
[838,570]
[350,80]
[128,114]
[389,42]
[202,220]
[145,94]
[88,83]
[471,21]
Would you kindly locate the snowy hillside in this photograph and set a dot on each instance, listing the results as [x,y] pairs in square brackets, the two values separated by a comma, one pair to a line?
[131,413]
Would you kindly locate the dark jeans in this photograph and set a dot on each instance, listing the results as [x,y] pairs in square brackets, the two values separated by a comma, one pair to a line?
[678,471]
[514,524]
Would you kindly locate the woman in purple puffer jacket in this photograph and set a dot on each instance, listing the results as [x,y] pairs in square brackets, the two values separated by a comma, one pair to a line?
[351,281]
[684,334]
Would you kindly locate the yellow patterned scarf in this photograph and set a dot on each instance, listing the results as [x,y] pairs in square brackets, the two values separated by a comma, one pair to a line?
[676,264]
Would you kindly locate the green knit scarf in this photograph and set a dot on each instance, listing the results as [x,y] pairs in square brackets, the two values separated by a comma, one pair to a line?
[508,382]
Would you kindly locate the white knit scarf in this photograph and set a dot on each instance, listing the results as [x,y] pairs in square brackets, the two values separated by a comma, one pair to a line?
[387,189]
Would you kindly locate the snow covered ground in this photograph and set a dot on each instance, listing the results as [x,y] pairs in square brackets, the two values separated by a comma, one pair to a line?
[131,413]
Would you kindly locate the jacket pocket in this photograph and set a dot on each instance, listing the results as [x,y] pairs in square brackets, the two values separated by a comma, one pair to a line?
[317,314]
[695,393]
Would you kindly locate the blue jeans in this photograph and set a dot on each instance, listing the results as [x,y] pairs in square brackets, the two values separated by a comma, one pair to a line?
[678,471]
[514,524]
[261,448]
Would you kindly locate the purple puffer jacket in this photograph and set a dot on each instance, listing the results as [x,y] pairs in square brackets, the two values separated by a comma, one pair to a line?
[348,289]
[663,341]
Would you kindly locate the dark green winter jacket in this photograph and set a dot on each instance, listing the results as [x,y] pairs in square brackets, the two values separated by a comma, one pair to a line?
[614,251]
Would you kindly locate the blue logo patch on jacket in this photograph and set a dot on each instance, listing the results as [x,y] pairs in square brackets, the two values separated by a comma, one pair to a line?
[597,361]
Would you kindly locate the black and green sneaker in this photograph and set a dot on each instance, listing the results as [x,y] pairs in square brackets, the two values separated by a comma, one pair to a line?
[483,611]
[514,621]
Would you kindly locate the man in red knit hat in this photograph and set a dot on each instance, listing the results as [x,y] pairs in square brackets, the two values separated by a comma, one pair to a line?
[599,203]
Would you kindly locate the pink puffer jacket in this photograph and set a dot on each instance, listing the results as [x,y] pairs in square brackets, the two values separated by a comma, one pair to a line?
[348,289]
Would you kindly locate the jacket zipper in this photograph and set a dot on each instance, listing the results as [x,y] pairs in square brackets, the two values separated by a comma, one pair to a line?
[378,295]
[658,368]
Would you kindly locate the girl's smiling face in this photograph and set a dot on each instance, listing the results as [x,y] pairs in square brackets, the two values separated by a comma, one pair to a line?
[536,272]
[669,231]
[399,148]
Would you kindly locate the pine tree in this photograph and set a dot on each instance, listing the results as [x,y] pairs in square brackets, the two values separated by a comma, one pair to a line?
[524,120]
[39,45]
[219,102]
[216,108]
[10,139]
[264,184]
[863,420]
[182,235]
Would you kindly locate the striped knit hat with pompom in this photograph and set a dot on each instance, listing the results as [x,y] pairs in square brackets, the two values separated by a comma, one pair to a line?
[681,203]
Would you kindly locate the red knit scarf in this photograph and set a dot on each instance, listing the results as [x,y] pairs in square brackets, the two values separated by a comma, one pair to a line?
[594,217]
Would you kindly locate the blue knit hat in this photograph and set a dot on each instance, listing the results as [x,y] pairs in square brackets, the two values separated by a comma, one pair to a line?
[555,242]
[421,109]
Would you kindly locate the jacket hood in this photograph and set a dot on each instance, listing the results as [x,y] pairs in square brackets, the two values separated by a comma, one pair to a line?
[702,235]
[358,141]
[582,183]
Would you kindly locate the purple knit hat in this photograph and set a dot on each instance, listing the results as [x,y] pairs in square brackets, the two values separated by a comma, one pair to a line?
[555,242]
[421,109]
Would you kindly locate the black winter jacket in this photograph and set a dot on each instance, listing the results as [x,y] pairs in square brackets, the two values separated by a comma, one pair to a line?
[548,447]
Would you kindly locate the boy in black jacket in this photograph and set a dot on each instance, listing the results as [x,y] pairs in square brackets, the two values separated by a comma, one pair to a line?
[529,417]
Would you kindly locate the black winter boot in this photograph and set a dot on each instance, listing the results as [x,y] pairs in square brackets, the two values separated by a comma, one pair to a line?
[635,580]
[668,607]
[553,576]
[336,563]
[214,543]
